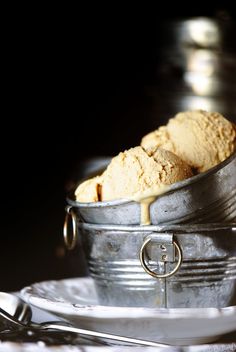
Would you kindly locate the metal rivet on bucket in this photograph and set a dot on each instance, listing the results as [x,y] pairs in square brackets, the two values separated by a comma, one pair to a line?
[167,256]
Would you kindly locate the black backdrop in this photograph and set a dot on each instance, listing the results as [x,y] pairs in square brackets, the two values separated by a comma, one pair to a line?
[74,88]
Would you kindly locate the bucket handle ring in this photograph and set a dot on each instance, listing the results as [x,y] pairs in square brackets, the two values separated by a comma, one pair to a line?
[70,243]
[152,273]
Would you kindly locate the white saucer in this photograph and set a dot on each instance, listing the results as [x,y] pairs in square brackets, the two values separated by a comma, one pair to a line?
[76,301]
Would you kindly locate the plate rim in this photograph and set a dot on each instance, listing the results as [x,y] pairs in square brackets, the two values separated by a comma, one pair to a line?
[29,294]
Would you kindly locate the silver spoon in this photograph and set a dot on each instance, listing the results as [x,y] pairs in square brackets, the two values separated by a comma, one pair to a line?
[17,314]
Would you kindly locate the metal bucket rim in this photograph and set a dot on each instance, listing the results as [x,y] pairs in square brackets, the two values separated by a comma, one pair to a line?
[187,228]
[175,186]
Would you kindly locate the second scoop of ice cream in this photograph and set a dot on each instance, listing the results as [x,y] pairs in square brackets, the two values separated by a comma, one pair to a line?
[135,174]
[200,138]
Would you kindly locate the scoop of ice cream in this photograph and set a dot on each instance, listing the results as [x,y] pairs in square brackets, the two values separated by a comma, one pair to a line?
[200,138]
[158,138]
[133,172]
[89,191]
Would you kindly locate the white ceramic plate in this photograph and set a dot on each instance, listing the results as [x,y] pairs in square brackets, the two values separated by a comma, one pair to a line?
[76,301]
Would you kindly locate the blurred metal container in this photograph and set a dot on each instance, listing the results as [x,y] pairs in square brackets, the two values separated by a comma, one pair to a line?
[205,198]
[197,59]
[162,266]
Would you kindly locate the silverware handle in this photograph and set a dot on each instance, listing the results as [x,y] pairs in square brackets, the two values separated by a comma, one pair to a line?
[102,335]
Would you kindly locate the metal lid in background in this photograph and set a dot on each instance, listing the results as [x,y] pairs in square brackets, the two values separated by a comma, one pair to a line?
[196,69]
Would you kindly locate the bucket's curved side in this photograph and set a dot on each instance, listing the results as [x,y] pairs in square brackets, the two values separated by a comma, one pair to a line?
[206,277]
[210,197]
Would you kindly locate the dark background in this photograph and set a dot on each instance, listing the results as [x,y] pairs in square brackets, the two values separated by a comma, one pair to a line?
[81,83]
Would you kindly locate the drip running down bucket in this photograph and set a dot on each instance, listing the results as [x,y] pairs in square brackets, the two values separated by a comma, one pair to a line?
[205,198]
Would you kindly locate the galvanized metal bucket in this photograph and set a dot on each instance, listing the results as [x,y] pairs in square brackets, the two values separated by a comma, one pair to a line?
[162,266]
[204,198]
[189,264]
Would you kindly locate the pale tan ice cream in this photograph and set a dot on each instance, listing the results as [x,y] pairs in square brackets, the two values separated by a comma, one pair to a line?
[89,190]
[135,174]
[202,139]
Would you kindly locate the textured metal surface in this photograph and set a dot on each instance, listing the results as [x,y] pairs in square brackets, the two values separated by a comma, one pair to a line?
[206,278]
[204,198]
